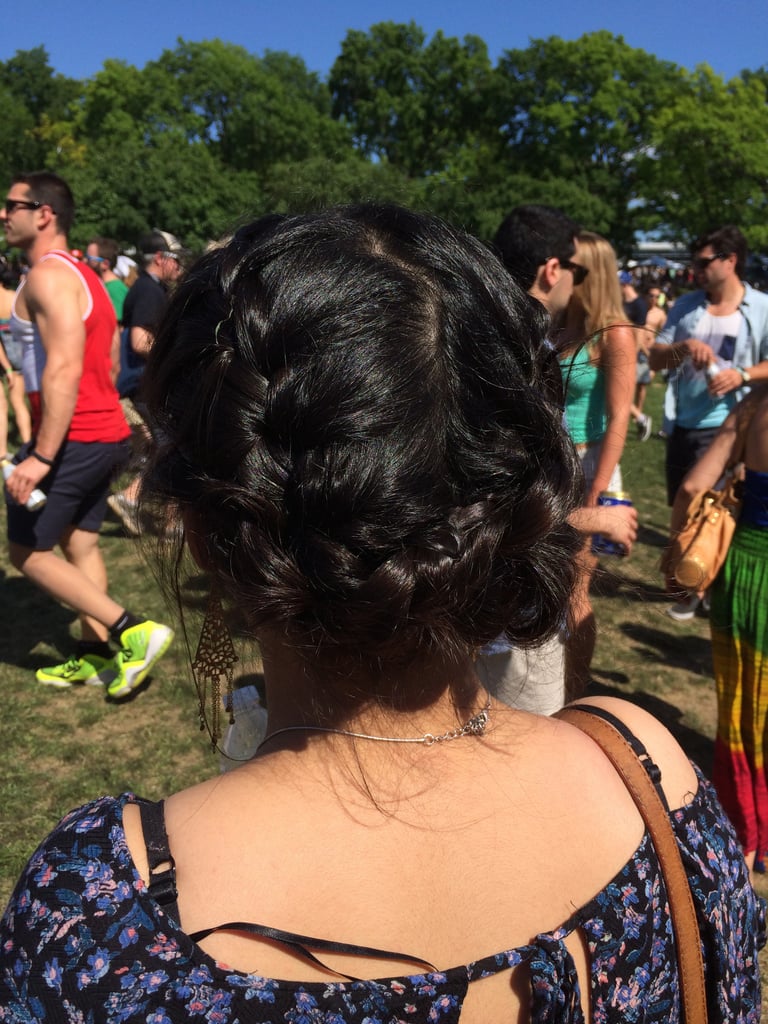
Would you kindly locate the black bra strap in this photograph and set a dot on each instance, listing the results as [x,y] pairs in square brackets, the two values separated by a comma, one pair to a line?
[162,883]
[653,770]
[300,944]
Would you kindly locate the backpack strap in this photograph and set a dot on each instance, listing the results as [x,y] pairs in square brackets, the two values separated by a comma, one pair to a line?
[612,737]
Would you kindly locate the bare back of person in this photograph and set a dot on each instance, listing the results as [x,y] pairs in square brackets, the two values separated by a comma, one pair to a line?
[473,848]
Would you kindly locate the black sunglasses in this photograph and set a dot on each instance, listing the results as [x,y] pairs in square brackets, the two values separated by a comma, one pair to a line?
[702,262]
[579,272]
[27,204]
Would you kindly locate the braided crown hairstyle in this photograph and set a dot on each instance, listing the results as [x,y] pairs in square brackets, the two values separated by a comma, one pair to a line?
[357,414]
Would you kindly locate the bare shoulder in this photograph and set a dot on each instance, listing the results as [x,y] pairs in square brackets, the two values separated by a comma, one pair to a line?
[178,808]
[48,282]
[620,336]
[678,777]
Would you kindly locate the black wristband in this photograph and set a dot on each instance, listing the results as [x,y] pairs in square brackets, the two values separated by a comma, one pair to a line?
[39,457]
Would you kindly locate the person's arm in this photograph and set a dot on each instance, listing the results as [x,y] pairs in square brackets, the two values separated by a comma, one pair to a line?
[704,474]
[114,356]
[669,351]
[731,379]
[146,311]
[667,357]
[618,359]
[617,522]
[141,341]
[52,294]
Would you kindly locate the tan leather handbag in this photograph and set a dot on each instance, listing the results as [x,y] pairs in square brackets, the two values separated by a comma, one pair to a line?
[697,553]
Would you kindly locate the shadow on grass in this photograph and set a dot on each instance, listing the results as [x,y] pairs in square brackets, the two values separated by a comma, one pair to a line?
[609,583]
[653,538]
[681,650]
[24,609]
[697,746]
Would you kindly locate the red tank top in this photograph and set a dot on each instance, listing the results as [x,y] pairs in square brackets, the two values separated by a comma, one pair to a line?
[97,415]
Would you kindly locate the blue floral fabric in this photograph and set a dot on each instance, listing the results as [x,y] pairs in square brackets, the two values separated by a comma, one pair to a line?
[83,942]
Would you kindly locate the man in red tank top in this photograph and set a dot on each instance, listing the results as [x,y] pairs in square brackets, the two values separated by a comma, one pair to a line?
[64,319]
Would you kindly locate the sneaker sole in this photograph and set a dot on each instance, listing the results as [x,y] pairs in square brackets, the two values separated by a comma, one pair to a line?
[59,684]
[133,677]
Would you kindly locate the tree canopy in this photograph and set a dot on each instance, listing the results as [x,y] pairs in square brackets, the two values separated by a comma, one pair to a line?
[210,133]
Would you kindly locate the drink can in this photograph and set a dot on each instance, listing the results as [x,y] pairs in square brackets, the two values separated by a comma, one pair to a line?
[37,498]
[602,545]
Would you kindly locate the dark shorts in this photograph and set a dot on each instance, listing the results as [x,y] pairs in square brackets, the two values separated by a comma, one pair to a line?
[77,488]
[685,447]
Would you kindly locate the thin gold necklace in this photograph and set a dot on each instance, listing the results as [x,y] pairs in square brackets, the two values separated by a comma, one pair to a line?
[474,726]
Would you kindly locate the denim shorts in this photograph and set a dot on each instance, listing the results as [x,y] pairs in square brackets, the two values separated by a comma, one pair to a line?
[12,349]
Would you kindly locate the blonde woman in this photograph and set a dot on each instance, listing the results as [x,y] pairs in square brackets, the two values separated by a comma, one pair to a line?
[597,359]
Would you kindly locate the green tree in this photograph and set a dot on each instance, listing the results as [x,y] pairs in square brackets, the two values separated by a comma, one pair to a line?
[31,95]
[18,146]
[252,112]
[145,163]
[580,111]
[409,101]
[29,76]
[319,181]
[710,157]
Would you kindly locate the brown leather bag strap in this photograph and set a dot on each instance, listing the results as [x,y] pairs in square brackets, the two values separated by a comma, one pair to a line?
[682,912]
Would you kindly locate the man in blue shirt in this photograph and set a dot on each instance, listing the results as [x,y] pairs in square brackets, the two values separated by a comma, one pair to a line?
[716,338]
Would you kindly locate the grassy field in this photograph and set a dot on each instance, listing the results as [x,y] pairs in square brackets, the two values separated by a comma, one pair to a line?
[59,748]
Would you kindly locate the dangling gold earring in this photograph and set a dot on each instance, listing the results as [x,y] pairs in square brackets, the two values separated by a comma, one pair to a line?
[215,657]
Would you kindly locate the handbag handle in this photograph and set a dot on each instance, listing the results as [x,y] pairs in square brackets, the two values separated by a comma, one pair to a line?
[643,791]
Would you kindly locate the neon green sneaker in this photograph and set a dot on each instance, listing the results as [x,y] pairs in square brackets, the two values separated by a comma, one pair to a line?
[89,670]
[142,647]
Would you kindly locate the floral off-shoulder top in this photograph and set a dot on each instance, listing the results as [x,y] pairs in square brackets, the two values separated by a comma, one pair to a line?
[83,941]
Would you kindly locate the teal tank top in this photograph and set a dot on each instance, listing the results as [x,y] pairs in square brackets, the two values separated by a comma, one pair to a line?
[584,383]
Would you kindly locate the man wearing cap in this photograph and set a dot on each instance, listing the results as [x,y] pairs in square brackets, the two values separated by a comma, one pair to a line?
[144,306]
[148,297]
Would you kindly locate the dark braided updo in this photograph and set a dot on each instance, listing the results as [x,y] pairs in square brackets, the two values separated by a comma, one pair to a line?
[359,415]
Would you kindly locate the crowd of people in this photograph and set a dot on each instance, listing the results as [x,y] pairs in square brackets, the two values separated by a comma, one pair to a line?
[406,442]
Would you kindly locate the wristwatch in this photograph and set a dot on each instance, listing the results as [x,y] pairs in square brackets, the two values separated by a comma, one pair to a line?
[745,374]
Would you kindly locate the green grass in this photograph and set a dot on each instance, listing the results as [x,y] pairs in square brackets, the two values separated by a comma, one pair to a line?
[61,748]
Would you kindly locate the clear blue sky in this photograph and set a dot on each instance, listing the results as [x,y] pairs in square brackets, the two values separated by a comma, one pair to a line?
[729,35]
